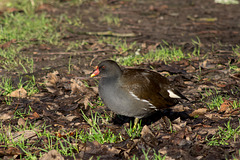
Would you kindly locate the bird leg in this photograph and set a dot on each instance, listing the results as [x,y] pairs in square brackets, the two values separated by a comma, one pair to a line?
[136,120]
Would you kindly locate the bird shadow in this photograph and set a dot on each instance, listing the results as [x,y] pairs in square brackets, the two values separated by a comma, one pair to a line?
[120,120]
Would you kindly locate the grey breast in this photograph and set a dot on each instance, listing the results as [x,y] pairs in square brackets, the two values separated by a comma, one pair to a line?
[123,102]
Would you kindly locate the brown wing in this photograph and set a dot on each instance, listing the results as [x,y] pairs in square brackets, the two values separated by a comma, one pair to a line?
[150,86]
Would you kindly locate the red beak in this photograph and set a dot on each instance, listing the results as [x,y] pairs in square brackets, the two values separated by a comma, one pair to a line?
[96,72]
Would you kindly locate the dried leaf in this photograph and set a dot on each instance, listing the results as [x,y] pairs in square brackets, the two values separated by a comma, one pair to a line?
[52,155]
[200,111]
[5,116]
[7,44]
[10,151]
[19,93]
[35,115]
[78,87]
[225,106]
[207,64]
[221,85]
[21,122]
[26,134]
[52,78]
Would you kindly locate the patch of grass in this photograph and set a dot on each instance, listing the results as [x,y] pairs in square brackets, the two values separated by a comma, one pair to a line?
[95,133]
[76,2]
[155,156]
[22,113]
[74,46]
[44,140]
[22,28]
[197,47]
[162,54]
[111,19]
[6,85]
[29,85]
[74,21]
[30,147]
[236,104]
[216,102]
[99,102]
[236,50]
[134,132]
[120,44]
[236,157]
[224,135]
[27,6]
[11,59]
[234,68]
[216,99]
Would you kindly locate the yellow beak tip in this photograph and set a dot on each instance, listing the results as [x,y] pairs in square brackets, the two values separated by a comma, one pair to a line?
[92,75]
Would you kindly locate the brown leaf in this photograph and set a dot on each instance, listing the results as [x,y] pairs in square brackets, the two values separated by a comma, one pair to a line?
[19,93]
[95,148]
[26,134]
[221,85]
[190,69]
[52,78]
[64,135]
[52,155]
[78,87]
[21,122]
[200,111]
[35,115]
[225,106]
[207,64]
[10,151]
[7,44]
[5,116]
[235,76]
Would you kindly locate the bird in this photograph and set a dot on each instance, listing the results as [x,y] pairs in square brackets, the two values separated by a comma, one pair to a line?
[134,92]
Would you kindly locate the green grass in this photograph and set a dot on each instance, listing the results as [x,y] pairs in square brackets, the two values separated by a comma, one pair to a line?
[27,6]
[162,54]
[120,44]
[236,50]
[23,27]
[111,19]
[224,135]
[29,85]
[25,30]
[73,21]
[155,156]
[217,99]
[46,139]
[197,47]
[74,46]
[236,104]
[62,145]
[216,102]
[95,133]
[12,60]
[134,132]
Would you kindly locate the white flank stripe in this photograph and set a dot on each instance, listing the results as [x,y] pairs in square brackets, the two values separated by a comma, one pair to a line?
[143,100]
[172,95]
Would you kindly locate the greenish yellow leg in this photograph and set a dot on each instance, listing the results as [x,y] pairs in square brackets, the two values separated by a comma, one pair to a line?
[136,120]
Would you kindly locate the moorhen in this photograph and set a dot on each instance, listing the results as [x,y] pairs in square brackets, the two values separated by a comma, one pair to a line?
[134,92]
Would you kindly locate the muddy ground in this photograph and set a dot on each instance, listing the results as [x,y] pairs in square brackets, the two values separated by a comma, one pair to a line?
[148,23]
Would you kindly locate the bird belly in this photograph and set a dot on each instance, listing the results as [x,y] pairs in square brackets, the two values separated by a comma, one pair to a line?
[124,103]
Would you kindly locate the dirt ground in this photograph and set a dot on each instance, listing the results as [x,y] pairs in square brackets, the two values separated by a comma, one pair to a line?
[148,23]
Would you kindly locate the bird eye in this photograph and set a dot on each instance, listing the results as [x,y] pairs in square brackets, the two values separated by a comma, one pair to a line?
[103,67]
